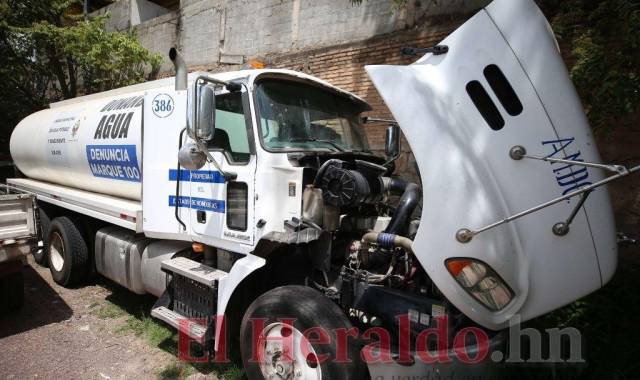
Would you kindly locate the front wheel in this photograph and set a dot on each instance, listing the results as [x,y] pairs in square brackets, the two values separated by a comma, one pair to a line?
[291,332]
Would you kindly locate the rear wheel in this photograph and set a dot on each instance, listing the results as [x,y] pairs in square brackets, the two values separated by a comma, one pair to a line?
[11,291]
[68,252]
[41,256]
[284,345]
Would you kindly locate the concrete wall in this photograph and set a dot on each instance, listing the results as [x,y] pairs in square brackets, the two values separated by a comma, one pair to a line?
[331,39]
[124,14]
[119,15]
[143,10]
[214,32]
[159,35]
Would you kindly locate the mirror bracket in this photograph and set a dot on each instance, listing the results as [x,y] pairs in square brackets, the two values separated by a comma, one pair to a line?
[200,142]
[228,176]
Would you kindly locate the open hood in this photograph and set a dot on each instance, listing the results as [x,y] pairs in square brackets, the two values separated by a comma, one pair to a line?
[503,84]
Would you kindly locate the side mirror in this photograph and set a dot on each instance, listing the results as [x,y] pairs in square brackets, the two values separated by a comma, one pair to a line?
[190,157]
[392,142]
[204,118]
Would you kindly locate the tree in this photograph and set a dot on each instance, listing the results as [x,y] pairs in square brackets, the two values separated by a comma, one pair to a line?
[48,54]
[601,39]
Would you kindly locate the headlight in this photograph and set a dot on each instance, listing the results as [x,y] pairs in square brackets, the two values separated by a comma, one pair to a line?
[481,281]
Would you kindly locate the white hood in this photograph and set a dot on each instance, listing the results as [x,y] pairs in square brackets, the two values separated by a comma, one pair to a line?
[469,179]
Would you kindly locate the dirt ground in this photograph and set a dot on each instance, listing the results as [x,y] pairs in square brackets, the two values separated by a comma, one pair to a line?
[99,331]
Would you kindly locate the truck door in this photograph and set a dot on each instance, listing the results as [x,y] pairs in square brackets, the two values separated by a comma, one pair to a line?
[222,211]
[163,122]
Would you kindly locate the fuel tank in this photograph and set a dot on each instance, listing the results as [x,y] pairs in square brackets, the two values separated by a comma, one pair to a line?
[503,84]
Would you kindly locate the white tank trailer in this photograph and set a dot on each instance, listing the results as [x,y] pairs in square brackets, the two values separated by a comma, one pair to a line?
[250,193]
[52,146]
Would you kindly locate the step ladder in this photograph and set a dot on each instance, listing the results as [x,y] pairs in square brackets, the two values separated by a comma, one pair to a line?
[189,302]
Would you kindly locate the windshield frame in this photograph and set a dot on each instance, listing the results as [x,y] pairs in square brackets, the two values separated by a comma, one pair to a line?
[358,103]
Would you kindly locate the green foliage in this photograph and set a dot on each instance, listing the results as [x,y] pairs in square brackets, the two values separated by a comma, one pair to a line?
[603,38]
[104,60]
[49,54]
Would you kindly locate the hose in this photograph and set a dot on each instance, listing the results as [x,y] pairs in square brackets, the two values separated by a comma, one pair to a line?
[406,205]
[388,240]
[184,226]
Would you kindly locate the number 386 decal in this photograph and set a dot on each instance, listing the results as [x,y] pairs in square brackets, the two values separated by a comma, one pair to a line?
[162,105]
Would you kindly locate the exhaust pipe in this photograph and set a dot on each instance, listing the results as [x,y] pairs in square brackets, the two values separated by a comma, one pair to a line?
[181,69]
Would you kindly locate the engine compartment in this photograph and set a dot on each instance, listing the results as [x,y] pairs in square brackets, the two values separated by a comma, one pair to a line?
[370,217]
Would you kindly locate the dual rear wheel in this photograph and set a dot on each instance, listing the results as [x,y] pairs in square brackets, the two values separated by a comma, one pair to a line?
[65,249]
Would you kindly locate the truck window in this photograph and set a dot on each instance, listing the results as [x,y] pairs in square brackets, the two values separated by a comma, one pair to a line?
[296,116]
[231,129]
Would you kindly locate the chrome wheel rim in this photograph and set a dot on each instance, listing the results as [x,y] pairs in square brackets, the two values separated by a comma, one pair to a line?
[56,251]
[285,353]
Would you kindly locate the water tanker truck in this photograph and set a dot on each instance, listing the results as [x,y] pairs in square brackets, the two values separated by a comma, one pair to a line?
[250,203]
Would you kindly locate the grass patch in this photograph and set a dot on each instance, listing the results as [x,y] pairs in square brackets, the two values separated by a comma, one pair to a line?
[233,373]
[145,326]
[177,370]
[106,310]
[173,370]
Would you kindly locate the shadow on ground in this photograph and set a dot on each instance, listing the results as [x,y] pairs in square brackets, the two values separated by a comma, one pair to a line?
[42,306]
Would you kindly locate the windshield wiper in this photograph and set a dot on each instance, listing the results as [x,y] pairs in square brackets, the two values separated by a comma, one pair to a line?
[313,139]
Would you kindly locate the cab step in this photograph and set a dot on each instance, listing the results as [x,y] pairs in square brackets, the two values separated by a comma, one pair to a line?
[189,303]
[193,270]
[194,330]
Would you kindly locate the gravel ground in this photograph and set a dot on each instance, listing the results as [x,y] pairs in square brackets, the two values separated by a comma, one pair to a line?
[84,333]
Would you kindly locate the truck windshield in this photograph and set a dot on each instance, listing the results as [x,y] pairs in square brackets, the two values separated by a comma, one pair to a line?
[295,116]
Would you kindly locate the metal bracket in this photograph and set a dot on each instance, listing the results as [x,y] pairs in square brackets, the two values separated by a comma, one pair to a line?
[518,152]
[228,176]
[562,228]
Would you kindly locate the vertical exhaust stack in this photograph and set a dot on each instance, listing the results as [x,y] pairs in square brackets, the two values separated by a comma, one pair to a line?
[181,69]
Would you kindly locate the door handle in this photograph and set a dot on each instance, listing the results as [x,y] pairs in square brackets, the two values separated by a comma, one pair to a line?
[202,216]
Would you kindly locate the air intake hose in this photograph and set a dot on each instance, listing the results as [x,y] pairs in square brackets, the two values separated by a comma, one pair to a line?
[407,204]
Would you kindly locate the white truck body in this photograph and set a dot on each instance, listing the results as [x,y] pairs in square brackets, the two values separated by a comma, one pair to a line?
[19,235]
[113,157]
[18,224]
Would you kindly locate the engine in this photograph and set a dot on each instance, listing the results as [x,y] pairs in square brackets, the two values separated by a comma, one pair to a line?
[370,269]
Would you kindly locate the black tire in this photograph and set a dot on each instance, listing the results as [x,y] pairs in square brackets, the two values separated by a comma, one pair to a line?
[11,292]
[41,256]
[309,309]
[66,235]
